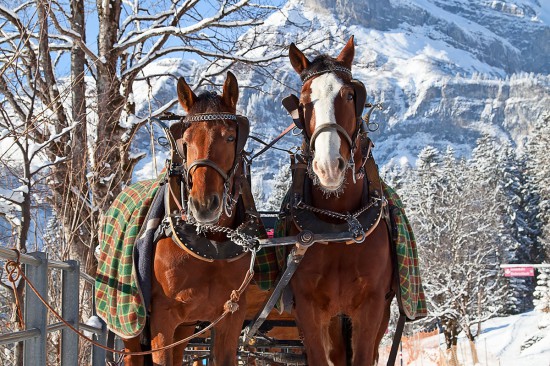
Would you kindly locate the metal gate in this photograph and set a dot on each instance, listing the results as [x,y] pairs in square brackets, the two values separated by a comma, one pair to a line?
[36,267]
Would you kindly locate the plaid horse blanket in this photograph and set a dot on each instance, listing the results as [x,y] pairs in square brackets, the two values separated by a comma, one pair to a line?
[123,285]
[413,300]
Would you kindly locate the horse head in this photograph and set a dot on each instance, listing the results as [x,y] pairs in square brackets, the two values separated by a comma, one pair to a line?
[212,142]
[331,103]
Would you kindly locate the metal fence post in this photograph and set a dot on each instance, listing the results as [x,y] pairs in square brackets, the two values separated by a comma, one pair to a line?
[36,314]
[70,312]
[98,354]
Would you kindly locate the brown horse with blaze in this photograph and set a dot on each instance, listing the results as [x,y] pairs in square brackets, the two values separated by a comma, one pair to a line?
[352,279]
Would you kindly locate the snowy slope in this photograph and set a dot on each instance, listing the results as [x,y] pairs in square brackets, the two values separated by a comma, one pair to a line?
[518,340]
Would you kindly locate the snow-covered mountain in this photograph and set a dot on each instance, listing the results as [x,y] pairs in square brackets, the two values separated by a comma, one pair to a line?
[445,70]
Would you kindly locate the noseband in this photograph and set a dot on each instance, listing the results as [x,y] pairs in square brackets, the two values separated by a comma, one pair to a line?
[342,131]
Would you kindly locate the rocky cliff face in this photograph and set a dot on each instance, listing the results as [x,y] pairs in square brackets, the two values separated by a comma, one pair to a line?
[445,70]
[512,35]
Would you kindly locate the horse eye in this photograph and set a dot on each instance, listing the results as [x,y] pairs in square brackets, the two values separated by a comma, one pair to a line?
[350,96]
[231,139]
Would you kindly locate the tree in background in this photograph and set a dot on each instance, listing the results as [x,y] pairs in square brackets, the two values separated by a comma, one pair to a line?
[538,167]
[499,169]
[542,291]
[455,218]
[23,163]
[281,184]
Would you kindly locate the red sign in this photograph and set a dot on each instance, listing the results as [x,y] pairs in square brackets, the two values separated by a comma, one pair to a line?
[519,272]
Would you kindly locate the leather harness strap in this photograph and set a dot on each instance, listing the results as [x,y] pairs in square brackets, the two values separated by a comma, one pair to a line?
[208,163]
[305,216]
[329,127]
[273,142]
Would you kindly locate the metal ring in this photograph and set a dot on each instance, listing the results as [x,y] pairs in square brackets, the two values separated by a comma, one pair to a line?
[296,131]
[163,141]
[359,239]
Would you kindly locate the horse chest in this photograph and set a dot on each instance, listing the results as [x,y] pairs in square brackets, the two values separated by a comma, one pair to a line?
[198,289]
[337,277]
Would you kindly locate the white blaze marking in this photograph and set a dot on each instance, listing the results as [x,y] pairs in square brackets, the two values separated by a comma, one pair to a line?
[324,90]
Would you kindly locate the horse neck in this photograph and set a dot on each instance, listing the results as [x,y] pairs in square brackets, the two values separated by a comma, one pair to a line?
[349,200]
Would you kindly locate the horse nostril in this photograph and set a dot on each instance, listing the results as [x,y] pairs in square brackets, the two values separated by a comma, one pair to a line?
[191,203]
[341,164]
[214,202]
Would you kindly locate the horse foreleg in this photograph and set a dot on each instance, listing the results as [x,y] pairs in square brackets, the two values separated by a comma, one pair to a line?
[226,337]
[383,328]
[182,332]
[133,345]
[162,334]
[367,323]
[314,326]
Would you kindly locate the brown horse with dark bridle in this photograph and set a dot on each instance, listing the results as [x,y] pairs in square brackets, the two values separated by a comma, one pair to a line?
[336,188]
[193,277]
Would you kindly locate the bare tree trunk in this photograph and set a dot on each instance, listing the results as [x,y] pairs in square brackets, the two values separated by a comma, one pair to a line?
[473,350]
[450,330]
[79,235]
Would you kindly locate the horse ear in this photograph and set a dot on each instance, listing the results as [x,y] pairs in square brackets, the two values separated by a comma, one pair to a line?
[347,53]
[230,94]
[186,96]
[297,59]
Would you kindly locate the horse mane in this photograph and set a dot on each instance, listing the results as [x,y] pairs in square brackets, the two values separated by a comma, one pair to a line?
[207,101]
[321,63]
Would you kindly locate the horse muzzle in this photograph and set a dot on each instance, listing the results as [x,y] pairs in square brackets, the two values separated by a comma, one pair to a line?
[330,173]
[206,210]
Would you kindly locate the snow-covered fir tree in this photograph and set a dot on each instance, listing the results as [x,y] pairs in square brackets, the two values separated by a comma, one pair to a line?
[542,291]
[538,167]
[281,184]
[500,172]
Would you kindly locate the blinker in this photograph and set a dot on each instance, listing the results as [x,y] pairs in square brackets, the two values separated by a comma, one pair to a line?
[292,105]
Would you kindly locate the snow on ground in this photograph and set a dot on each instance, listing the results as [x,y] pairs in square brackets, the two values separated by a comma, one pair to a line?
[518,340]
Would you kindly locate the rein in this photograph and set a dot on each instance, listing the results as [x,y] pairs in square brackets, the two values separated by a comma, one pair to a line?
[13,268]
[273,142]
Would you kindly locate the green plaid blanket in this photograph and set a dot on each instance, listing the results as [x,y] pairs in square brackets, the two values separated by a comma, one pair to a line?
[119,300]
[413,301]
[269,263]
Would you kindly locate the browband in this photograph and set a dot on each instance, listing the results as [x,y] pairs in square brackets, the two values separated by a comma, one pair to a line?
[210,117]
[309,75]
